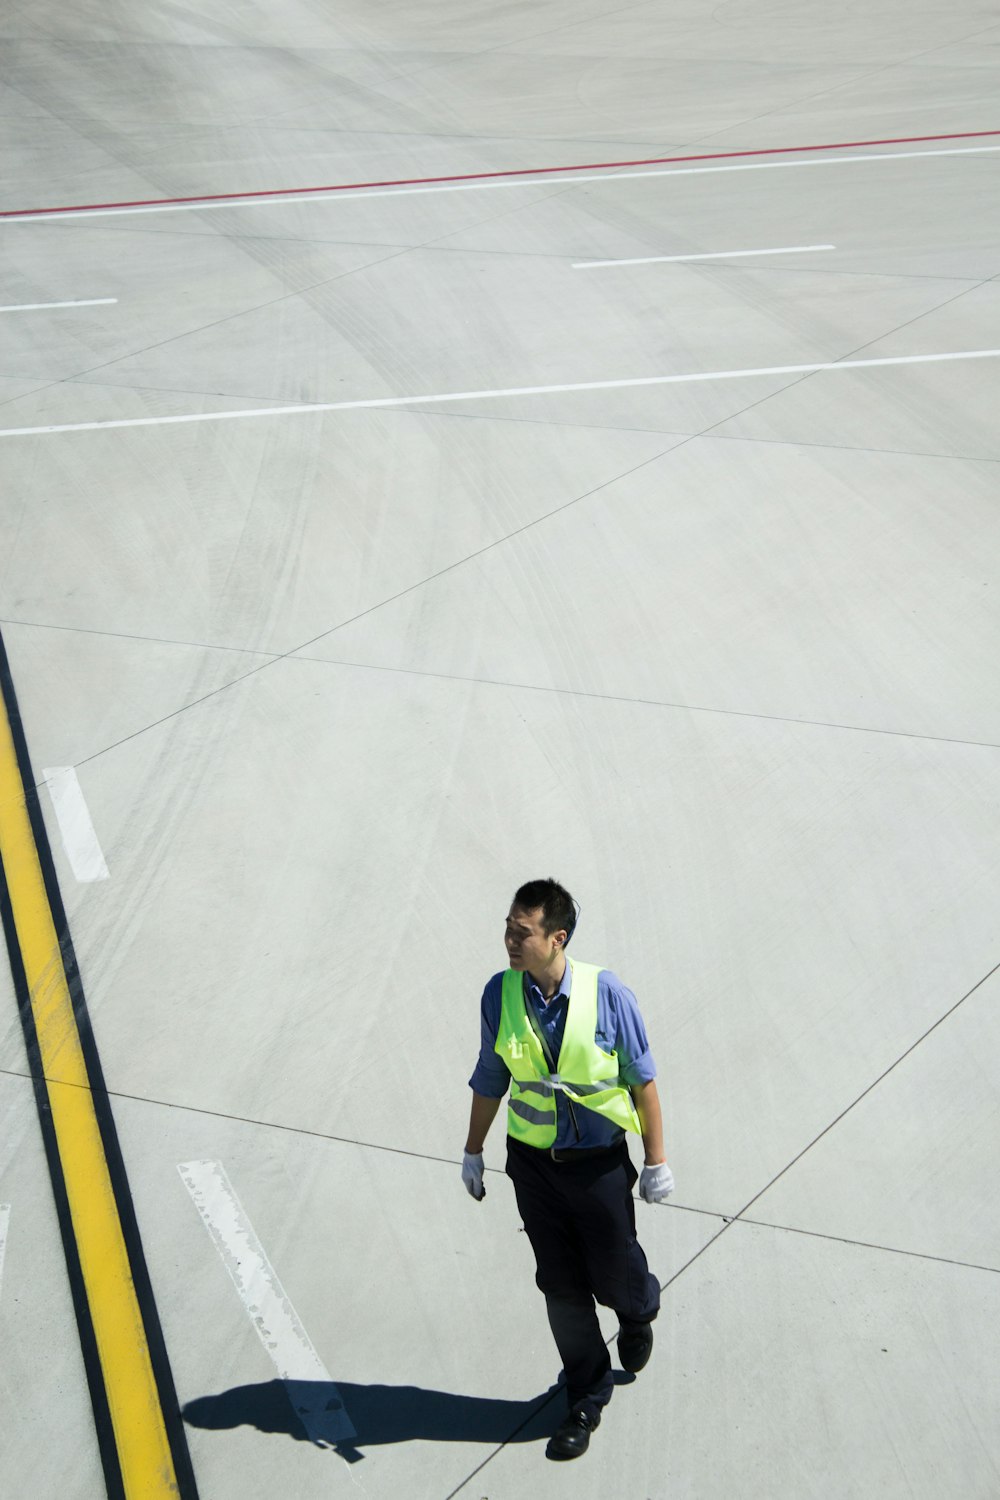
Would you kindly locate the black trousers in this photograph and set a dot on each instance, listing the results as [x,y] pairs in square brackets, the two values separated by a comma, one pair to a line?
[580,1219]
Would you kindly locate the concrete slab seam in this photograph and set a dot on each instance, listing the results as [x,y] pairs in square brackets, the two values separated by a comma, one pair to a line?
[846,359]
[148,640]
[438,247]
[285,656]
[243,312]
[843,1239]
[865,1092]
[176,712]
[736,437]
[691,708]
[501,1176]
[556,1395]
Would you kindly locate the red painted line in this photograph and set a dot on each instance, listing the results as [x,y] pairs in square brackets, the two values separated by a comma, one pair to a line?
[588,166]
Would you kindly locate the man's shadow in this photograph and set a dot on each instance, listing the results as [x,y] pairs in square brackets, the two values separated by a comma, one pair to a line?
[348,1417]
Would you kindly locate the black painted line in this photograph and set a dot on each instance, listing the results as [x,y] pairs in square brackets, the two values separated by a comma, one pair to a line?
[176,1435]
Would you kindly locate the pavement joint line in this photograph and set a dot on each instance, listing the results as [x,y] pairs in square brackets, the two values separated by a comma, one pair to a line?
[140,1435]
[864,76]
[435,243]
[35,389]
[290,653]
[678,1208]
[558,255]
[752,1221]
[843,1239]
[297,654]
[518,531]
[692,708]
[558,1394]
[729,1222]
[175,713]
[150,640]
[739,437]
[193,332]
[865,1092]
[848,358]
[709,433]
[496,542]
[320,1135]
[476,416]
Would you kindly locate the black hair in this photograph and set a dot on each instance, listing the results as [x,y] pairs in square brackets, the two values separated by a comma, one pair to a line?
[559,910]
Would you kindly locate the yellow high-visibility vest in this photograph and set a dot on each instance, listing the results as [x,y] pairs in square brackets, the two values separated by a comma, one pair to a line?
[584,1072]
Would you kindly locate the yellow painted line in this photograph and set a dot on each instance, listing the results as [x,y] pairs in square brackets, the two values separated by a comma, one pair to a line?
[133,1398]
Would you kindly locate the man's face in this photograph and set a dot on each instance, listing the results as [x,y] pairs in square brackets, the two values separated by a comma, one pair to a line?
[528,945]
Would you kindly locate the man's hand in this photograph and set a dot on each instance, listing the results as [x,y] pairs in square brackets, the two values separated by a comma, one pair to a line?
[472,1175]
[656,1183]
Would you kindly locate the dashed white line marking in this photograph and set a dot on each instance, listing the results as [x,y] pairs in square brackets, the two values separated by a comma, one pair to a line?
[79,836]
[650,260]
[518,390]
[36,306]
[353,195]
[300,1369]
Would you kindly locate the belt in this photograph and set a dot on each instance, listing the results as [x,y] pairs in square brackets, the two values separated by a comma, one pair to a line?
[582,1153]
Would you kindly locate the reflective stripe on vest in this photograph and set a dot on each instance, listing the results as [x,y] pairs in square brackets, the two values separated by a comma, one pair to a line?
[527,1112]
[584,1073]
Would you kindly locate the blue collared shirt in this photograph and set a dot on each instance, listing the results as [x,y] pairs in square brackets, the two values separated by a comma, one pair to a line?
[620,1030]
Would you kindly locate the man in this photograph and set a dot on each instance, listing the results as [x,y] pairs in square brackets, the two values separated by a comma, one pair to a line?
[567,1040]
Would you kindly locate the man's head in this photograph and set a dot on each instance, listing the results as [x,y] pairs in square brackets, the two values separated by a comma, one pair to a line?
[540,923]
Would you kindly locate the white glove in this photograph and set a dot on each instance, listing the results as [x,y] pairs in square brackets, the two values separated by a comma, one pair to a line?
[656,1183]
[472,1175]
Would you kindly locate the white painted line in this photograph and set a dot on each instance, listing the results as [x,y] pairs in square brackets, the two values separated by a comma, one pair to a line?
[352,195]
[35,306]
[517,390]
[73,816]
[321,1412]
[4,1227]
[650,260]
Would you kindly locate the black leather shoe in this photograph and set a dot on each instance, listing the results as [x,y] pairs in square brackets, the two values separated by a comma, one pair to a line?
[573,1438]
[635,1345]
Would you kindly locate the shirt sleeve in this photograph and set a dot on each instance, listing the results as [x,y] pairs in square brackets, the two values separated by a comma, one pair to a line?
[620,1019]
[491,1076]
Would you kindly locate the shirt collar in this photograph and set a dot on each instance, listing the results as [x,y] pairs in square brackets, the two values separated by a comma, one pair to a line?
[562,993]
